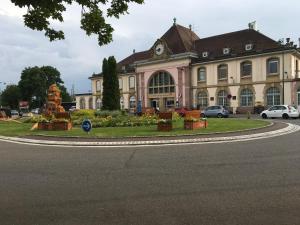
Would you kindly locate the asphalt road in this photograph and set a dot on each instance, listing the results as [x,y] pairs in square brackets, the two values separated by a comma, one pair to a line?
[255,182]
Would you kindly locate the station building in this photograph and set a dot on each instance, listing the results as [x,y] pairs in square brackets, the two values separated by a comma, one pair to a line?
[239,70]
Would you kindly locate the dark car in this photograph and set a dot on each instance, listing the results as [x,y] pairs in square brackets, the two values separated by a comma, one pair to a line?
[181,111]
[215,111]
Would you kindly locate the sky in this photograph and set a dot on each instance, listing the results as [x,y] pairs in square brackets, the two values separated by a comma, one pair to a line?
[79,56]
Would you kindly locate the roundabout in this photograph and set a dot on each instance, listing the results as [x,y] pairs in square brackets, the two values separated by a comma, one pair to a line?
[272,130]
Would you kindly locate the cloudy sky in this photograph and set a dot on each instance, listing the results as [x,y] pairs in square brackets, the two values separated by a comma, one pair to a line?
[78,56]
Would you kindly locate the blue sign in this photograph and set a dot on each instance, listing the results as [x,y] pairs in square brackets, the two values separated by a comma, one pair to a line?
[86,125]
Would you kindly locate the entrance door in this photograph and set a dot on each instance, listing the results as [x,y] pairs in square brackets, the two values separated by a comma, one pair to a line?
[155,103]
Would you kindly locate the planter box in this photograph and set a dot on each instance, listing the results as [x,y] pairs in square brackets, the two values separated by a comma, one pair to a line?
[164,126]
[61,125]
[191,125]
[55,126]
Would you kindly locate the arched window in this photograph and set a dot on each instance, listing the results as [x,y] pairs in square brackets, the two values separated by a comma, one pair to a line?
[246,97]
[246,68]
[223,72]
[132,102]
[273,66]
[98,103]
[223,98]
[122,102]
[273,96]
[131,82]
[201,74]
[82,103]
[98,86]
[298,96]
[90,103]
[161,83]
[202,99]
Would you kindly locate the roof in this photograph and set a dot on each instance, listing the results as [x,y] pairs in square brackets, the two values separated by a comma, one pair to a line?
[180,39]
[236,42]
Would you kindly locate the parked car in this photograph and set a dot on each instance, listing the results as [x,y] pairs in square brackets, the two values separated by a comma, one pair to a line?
[14,114]
[215,111]
[35,111]
[181,111]
[280,111]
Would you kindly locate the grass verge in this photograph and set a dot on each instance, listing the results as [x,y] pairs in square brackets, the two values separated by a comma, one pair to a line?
[14,129]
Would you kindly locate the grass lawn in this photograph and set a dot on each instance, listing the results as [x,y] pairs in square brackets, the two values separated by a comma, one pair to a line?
[214,125]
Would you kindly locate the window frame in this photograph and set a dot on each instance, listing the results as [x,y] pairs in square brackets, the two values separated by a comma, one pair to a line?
[225,101]
[276,96]
[219,72]
[202,100]
[129,82]
[157,87]
[269,60]
[247,96]
[243,75]
[201,69]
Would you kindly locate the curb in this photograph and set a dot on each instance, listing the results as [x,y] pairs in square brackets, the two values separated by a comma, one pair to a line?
[291,128]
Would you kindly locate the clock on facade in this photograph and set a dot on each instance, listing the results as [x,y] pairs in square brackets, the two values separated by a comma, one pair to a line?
[159,49]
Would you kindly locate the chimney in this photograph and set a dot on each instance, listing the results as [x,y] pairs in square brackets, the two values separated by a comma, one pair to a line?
[299,42]
[190,26]
[133,51]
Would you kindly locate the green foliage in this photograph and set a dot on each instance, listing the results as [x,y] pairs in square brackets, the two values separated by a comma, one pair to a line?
[11,96]
[35,82]
[111,91]
[106,113]
[93,19]
[83,113]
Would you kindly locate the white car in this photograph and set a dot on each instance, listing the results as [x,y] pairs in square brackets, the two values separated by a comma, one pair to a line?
[280,111]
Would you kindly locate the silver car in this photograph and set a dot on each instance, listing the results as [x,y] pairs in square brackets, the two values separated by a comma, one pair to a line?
[215,111]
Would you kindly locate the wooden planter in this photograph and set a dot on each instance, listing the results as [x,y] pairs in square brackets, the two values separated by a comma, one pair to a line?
[164,126]
[192,125]
[61,125]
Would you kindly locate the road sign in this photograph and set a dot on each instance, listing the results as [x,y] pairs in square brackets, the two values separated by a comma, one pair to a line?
[86,125]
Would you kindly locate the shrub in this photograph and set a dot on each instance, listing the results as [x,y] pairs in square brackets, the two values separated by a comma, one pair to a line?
[87,113]
[106,113]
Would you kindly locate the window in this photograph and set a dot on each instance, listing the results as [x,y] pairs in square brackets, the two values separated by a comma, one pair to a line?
[273,96]
[273,66]
[298,96]
[222,98]
[131,82]
[122,102]
[132,102]
[201,74]
[248,47]
[202,99]
[246,69]
[222,72]
[98,86]
[226,51]
[161,83]
[204,54]
[98,103]
[297,69]
[82,103]
[90,103]
[246,97]
[120,83]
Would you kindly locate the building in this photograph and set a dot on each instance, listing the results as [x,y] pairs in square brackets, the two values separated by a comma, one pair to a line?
[239,69]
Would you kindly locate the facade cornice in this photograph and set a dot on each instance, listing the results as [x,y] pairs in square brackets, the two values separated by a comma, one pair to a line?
[175,57]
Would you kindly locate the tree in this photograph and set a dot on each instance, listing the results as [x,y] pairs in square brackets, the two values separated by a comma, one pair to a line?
[112,71]
[35,82]
[11,96]
[93,18]
[111,91]
[33,86]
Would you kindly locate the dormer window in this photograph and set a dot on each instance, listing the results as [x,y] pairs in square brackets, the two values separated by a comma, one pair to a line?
[226,51]
[123,68]
[204,54]
[248,47]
